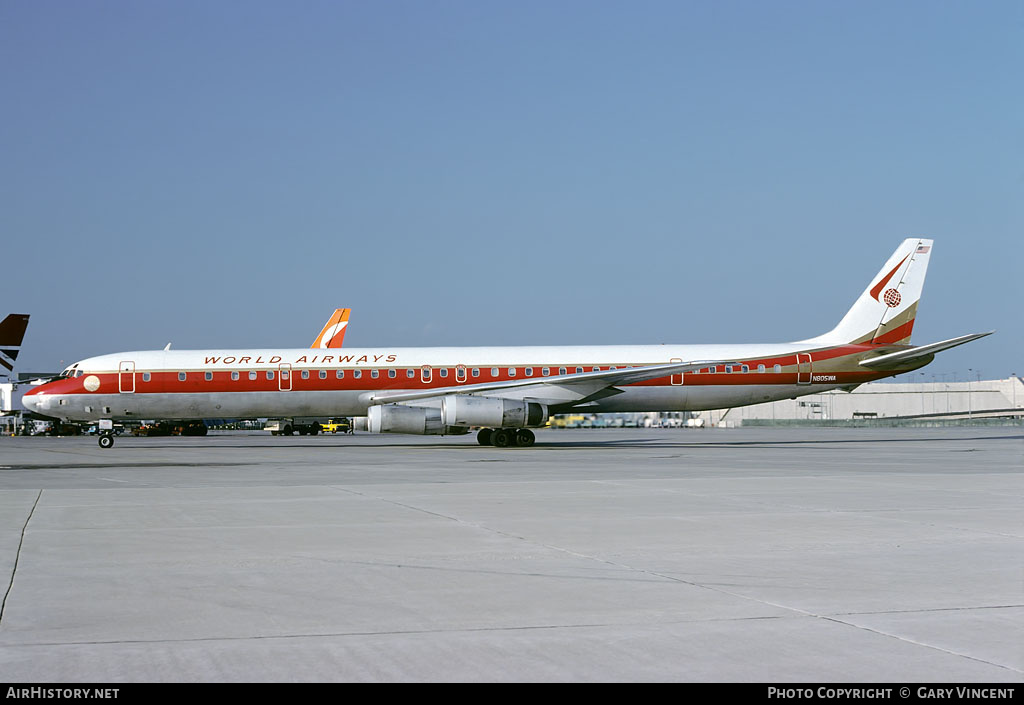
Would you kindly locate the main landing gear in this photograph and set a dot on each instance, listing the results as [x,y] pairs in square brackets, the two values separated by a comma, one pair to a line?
[505,437]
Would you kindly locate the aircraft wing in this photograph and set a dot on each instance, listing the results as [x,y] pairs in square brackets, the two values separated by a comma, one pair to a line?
[559,389]
[900,357]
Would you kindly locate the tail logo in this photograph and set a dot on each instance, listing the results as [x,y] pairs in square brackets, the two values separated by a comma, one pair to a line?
[892,297]
[331,332]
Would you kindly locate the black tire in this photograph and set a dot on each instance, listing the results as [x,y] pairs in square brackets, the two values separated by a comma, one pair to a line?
[525,438]
[483,436]
[501,438]
[314,429]
[288,430]
[106,440]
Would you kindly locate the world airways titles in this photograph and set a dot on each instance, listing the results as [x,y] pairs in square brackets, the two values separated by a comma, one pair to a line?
[302,359]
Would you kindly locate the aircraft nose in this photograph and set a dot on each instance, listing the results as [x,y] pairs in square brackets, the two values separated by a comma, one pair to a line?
[30,401]
[33,401]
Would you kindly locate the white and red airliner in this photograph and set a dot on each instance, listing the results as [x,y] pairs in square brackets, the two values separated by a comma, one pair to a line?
[503,391]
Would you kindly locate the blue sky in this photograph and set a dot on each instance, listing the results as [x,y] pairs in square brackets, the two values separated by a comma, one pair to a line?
[225,174]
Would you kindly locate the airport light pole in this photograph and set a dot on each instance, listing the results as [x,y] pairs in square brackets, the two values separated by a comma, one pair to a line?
[969,370]
[922,393]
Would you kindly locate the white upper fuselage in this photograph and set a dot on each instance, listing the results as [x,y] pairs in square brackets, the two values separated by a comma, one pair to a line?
[399,357]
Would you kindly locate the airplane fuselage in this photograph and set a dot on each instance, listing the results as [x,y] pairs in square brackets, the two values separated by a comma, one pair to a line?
[194,384]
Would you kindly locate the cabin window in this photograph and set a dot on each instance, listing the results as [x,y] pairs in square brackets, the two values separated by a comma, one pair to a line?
[323,374]
[284,374]
[511,371]
[460,373]
[545,371]
[760,368]
[340,374]
[375,373]
[476,371]
[529,371]
[208,376]
[392,373]
[728,369]
[145,376]
[305,374]
[426,374]
[234,375]
[579,370]
[181,376]
[357,373]
[612,367]
[494,372]
[713,370]
[597,369]
[746,369]
[443,372]
[252,375]
[561,370]
[778,369]
[410,374]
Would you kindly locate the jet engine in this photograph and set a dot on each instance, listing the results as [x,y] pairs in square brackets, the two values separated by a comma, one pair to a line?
[418,420]
[465,410]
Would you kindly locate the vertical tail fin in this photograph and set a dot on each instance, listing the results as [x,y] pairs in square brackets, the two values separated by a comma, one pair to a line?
[333,333]
[12,332]
[885,312]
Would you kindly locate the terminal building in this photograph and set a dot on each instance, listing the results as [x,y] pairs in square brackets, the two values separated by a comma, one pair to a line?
[880,401]
[874,403]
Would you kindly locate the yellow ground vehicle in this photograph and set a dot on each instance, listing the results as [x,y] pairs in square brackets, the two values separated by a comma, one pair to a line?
[337,426]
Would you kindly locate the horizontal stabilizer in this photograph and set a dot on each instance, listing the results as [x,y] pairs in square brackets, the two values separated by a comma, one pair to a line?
[904,356]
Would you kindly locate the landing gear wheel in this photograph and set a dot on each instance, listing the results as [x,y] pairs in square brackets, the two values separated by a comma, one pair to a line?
[501,438]
[483,436]
[525,438]
[106,440]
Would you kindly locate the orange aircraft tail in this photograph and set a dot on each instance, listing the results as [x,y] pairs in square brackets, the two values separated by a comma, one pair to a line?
[334,332]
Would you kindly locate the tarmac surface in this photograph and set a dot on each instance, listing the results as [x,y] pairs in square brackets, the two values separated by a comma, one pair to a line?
[716,555]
